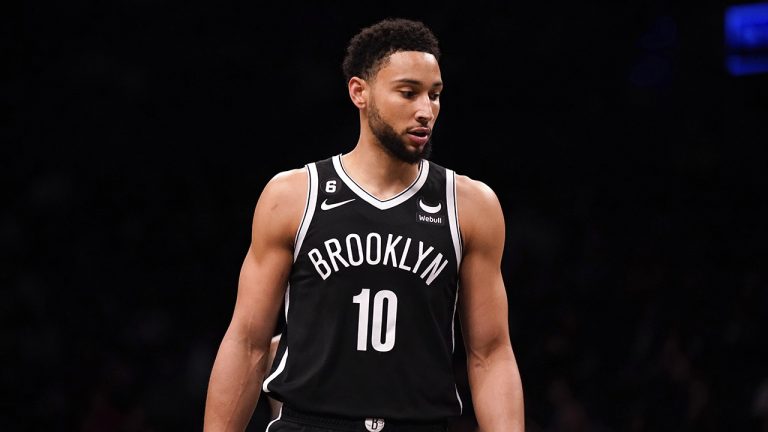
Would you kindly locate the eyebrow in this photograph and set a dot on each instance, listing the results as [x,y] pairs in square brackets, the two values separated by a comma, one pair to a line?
[417,82]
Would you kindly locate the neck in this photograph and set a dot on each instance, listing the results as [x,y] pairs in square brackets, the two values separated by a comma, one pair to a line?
[376,170]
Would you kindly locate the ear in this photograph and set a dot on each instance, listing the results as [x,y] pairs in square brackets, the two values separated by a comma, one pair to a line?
[358,92]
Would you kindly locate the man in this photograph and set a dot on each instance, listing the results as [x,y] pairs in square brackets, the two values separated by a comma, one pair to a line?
[371,253]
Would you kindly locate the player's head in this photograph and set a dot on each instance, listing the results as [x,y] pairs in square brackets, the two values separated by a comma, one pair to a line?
[394,78]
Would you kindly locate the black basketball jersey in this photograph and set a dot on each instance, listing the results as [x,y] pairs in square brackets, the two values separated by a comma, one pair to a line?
[371,301]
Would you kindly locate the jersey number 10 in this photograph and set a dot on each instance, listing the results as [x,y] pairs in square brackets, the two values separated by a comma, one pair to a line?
[363,299]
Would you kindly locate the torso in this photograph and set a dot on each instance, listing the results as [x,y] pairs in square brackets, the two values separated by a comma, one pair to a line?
[371,301]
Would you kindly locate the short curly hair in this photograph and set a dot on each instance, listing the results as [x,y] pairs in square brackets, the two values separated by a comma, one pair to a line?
[369,49]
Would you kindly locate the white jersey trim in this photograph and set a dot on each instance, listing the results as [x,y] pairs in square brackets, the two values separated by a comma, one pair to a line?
[279,369]
[461,405]
[279,416]
[453,223]
[453,320]
[306,219]
[453,214]
[309,210]
[410,191]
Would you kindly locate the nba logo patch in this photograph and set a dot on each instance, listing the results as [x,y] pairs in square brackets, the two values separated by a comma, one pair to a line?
[374,425]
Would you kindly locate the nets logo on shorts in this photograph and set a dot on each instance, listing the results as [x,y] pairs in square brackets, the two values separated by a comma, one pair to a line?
[374,425]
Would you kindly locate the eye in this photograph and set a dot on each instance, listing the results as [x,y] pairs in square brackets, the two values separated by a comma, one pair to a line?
[408,94]
[434,96]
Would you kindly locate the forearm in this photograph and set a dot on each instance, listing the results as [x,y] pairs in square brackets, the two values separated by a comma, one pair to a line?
[234,386]
[497,393]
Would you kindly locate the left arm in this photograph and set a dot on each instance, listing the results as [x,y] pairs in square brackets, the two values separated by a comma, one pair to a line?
[494,378]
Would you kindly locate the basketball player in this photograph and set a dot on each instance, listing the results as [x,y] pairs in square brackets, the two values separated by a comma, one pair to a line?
[370,254]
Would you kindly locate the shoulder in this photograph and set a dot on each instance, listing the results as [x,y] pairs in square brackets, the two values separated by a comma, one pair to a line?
[288,184]
[475,195]
[286,181]
[281,204]
[473,192]
[480,212]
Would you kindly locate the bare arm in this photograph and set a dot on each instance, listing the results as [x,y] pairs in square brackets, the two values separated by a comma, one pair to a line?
[494,378]
[242,358]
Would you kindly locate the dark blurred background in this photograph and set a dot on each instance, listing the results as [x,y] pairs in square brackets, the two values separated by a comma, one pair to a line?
[630,162]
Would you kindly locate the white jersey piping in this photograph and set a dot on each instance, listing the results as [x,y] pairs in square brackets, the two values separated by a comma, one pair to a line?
[453,223]
[309,212]
[453,214]
[279,416]
[410,191]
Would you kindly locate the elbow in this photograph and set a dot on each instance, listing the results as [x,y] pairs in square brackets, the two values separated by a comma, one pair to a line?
[484,356]
[255,354]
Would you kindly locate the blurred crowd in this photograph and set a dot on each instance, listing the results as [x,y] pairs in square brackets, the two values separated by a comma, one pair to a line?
[631,169]
[117,306]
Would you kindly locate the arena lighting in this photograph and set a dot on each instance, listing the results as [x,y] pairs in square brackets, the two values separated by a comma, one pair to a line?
[746,39]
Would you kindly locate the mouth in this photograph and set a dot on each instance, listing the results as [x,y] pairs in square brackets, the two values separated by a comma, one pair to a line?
[419,136]
[420,132]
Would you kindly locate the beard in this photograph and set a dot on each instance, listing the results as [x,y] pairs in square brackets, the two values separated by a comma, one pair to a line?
[393,142]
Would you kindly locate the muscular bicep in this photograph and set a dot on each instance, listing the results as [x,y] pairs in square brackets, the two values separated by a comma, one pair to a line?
[483,298]
[267,264]
[259,296]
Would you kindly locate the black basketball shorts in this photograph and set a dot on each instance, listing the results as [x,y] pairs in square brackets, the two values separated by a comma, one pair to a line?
[291,420]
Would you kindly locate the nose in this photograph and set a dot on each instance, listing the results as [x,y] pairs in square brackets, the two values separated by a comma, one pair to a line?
[424,111]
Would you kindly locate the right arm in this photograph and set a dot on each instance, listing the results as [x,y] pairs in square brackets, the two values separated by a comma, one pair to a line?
[242,358]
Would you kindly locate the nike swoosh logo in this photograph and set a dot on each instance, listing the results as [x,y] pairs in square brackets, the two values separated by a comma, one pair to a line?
[325,206]
[430,209]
